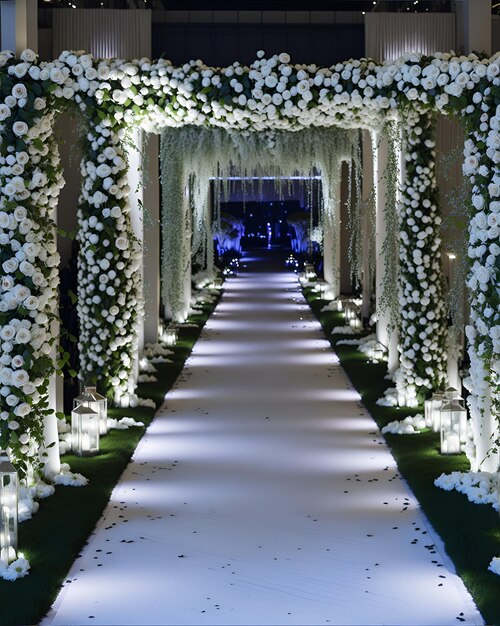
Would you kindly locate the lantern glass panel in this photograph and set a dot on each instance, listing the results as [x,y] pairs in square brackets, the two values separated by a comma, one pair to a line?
[91,398]
[452,420]
[99,405]
[170,336]
[9,486]
[85,431]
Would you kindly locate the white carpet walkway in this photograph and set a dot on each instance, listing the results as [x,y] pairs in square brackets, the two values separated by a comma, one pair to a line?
[263,494]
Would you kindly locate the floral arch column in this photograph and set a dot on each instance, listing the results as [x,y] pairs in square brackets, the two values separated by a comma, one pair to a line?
[109,285]
[423,321]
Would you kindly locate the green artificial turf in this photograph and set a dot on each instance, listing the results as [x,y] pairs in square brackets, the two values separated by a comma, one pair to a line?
[57,532]
[470,532]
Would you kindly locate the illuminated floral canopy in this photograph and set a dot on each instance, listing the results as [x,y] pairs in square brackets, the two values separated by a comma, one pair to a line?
[269,95]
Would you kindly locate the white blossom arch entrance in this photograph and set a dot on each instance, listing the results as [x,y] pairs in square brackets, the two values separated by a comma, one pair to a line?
[270,95]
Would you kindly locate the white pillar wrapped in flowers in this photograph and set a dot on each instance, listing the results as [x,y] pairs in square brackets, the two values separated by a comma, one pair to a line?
[423,324]
[109,283]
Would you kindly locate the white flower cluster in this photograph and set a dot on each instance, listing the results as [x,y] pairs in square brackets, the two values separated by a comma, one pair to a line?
[410,425]
[479,487]
[423,323]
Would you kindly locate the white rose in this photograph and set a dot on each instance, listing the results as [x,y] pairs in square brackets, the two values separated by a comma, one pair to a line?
[23,409]
[19,91]
[17,361]
[39,104]
[56,76]
[5,112]
[10,266]
[121,243]
[31,303]
[12,400]
[23,335]
[19,378]
[20,128]
[494,189]
[28,56]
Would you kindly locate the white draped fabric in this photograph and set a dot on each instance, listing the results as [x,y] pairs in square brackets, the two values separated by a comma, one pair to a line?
[105,33]
[390,35]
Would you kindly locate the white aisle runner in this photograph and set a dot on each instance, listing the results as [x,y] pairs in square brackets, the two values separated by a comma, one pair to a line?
[262,494]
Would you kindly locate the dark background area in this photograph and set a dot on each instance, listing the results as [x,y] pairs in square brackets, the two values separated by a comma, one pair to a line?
[219,44]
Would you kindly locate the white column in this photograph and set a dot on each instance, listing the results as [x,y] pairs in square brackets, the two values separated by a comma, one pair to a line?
[135,198]
[367,186]
[477,25]
[331,243]
[19,19]
[151,239]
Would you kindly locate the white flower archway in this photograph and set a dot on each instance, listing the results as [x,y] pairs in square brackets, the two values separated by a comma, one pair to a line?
[270,95]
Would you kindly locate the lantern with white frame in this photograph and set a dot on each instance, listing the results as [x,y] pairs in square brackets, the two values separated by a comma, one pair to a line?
[170,336]
[9,498]
[349,311]
[309,271]
[97,403]
[453,417]
[432,406]
[377,353]
[85,428]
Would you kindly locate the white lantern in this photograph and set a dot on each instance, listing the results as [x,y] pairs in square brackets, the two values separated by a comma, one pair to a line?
[347,311]
[453,416]
[310,273]
[170,336]
[356,323]
[85,428]
[432,407]
[97,403]
[9,496]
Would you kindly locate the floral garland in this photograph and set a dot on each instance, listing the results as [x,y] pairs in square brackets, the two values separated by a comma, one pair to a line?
[423,320]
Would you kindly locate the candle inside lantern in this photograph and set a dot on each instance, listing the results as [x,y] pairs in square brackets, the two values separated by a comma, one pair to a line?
[452,420]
